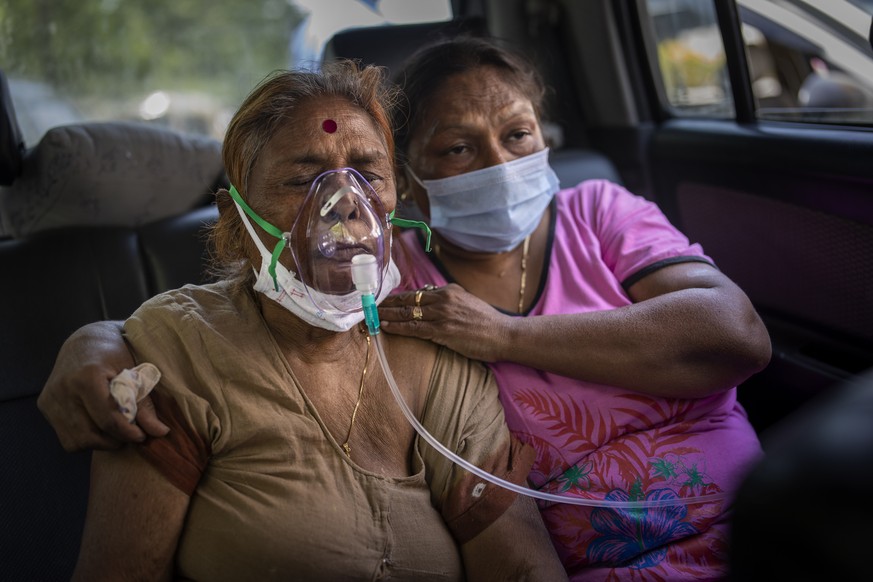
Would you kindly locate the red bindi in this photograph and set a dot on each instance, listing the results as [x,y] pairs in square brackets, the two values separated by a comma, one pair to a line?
[328,125]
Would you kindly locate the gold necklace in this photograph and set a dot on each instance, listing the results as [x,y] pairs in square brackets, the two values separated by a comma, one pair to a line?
[523,273]
[345,445]
[524,254]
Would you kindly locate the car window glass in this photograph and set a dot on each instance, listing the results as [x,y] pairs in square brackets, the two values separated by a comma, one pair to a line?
[810,60]
[183,64]
[691,58]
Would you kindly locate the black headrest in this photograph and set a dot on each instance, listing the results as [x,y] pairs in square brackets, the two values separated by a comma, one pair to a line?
[11,142]
[109,174]
[390,46]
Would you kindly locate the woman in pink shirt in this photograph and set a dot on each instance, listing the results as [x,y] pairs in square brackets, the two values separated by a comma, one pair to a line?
[616,343]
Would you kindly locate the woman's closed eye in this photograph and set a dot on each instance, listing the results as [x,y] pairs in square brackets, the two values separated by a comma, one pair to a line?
[449,150]
[304,181]
[371,177]
[519,135]
[458,149]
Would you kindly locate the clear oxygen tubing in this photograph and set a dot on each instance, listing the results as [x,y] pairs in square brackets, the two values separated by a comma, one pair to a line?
[364,273]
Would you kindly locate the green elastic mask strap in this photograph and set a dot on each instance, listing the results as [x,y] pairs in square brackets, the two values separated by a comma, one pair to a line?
[280,246]
[406,223]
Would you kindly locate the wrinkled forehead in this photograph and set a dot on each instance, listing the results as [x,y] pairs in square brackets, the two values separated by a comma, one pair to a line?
[332,118]
[485,81]
[484,93]
[329,132]
[485,89]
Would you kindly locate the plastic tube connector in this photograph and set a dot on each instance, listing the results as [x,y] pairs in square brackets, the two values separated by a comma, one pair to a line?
[365,276]
[365,273]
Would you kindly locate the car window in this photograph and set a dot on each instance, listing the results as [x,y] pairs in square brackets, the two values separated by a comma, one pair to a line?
[691,58]
[186,64]
[809,60]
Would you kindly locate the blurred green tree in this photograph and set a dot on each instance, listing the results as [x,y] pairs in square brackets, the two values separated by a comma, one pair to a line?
[116,48]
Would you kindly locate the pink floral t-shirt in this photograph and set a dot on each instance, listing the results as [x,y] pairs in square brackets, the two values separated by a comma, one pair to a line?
[603,442]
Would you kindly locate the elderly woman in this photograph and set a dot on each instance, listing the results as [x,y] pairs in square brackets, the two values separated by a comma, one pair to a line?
[287,457]
[615,342]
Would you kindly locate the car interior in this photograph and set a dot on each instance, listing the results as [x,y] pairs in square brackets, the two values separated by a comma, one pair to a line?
[81,260]
[67,227]
[97,217]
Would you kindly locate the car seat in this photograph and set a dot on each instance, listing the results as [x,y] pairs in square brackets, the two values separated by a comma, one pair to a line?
[94,220]
[11,140]
[803,513]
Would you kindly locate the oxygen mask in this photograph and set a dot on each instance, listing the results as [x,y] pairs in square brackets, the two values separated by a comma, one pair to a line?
[341,218]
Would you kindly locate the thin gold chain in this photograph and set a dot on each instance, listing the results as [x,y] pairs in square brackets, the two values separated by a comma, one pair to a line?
[524,254]
[345,445]
[523,273]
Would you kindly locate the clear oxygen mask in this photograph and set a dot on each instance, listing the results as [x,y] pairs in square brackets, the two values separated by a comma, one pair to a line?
[341,218]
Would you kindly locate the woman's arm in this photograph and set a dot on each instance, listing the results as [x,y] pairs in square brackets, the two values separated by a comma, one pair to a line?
[690,332]
[76,399]
[515,547]
[134,520]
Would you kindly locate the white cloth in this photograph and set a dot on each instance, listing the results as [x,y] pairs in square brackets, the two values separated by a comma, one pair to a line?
[132,385]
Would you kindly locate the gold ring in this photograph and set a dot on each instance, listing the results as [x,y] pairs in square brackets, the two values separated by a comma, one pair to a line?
[418,295]
[416,313]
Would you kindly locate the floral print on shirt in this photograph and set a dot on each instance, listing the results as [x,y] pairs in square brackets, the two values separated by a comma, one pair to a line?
[641,449]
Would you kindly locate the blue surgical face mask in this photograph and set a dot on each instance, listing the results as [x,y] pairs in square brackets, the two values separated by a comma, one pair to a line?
[494,209]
